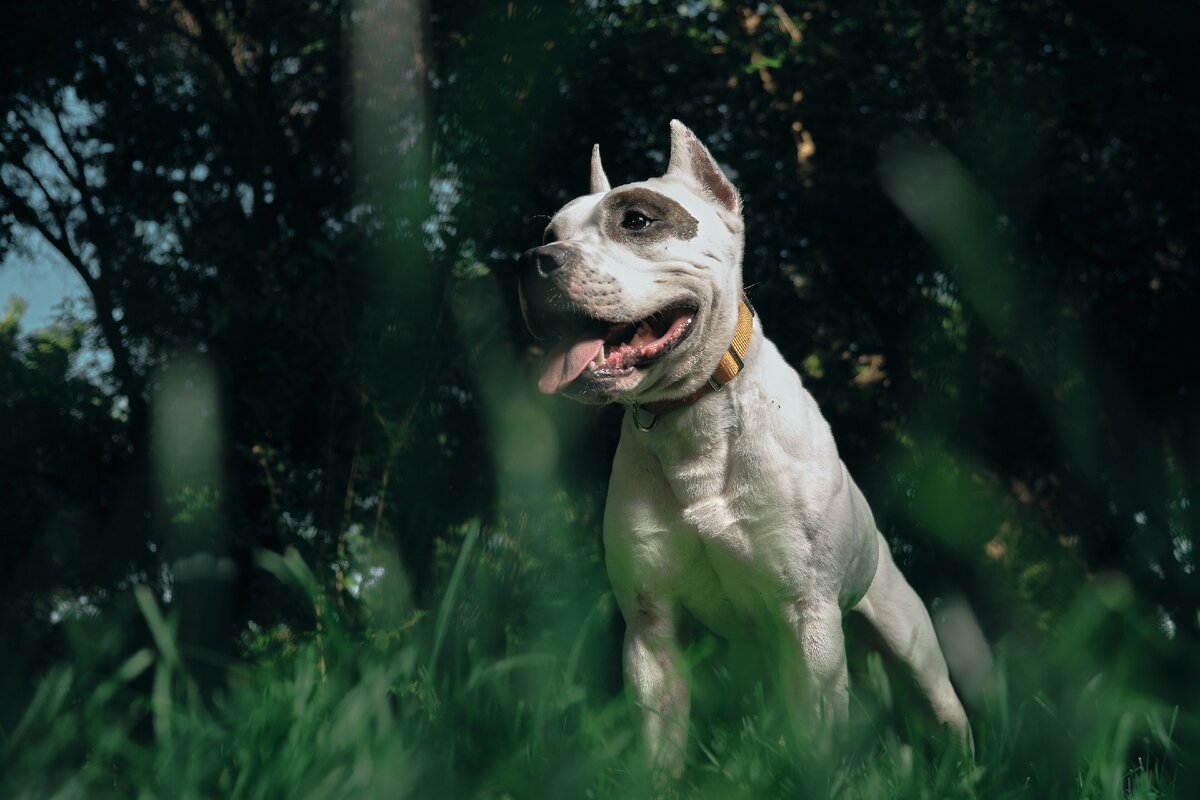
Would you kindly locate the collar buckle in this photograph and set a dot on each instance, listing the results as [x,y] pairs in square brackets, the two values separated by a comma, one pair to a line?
[637,422]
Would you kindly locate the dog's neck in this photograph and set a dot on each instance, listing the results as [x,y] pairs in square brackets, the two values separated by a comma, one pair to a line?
[732,363]
[714,419]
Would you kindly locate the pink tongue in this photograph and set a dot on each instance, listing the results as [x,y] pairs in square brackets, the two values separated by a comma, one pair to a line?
[564,363]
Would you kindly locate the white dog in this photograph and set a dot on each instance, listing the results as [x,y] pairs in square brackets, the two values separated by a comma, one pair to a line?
[727,500]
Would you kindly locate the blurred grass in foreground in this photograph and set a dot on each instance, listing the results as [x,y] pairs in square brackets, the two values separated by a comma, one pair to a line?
[414,710]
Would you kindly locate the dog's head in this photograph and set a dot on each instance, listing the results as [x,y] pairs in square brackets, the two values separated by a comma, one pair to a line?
[636,288]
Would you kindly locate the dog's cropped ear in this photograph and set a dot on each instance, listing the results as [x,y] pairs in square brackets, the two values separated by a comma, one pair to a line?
[690,159]
[599,179]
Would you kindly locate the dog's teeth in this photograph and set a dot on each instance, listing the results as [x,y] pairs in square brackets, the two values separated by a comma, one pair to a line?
[599,359]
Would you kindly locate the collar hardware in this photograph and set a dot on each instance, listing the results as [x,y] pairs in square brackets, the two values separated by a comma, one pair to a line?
[637,422]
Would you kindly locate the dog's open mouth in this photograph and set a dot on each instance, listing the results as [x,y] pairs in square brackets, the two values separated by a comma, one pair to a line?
[603,349]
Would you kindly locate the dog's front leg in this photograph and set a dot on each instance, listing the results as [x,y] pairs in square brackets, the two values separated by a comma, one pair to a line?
[658,684]
[813,666]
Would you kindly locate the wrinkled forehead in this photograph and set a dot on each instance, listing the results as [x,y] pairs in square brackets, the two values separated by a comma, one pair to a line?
[575,213]
[664,199]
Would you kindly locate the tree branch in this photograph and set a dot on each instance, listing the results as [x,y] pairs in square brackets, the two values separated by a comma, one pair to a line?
[213,44]
[27,215]
[91,210]
[130,384]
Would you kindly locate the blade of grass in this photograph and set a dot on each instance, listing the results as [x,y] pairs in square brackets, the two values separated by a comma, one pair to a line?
[288,568]
[158,626]
[443,618]
[497,668]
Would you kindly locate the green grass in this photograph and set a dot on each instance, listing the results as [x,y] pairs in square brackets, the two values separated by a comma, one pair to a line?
[415,705]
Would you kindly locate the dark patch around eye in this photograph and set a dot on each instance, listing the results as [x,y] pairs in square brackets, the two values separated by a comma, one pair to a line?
[549,236]
[669,217]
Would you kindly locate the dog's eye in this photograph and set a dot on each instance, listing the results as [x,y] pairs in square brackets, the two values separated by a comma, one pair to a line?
[635,221]
[549,236]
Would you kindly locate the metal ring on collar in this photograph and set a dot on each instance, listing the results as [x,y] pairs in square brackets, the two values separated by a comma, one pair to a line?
[637,423]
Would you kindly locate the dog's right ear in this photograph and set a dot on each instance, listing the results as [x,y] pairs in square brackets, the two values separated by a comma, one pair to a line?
[690,159]
[599,179]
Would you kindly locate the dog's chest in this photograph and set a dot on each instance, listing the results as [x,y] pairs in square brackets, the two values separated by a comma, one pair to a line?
[737,530]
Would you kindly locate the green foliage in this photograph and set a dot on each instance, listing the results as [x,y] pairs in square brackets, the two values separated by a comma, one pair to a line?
[340,713]
[971,225]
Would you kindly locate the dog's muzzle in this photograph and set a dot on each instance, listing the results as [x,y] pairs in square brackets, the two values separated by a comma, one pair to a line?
[543,302]
[544,260]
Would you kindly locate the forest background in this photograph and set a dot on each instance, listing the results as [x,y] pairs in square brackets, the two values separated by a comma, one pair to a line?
[281,511]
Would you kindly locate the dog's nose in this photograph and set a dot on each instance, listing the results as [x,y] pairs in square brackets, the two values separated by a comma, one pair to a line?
[546,259]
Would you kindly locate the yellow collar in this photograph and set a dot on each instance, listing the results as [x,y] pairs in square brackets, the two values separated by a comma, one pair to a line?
[732,362]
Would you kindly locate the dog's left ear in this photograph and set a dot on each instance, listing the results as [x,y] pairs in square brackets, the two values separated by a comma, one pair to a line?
[691,160]
[599,181]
